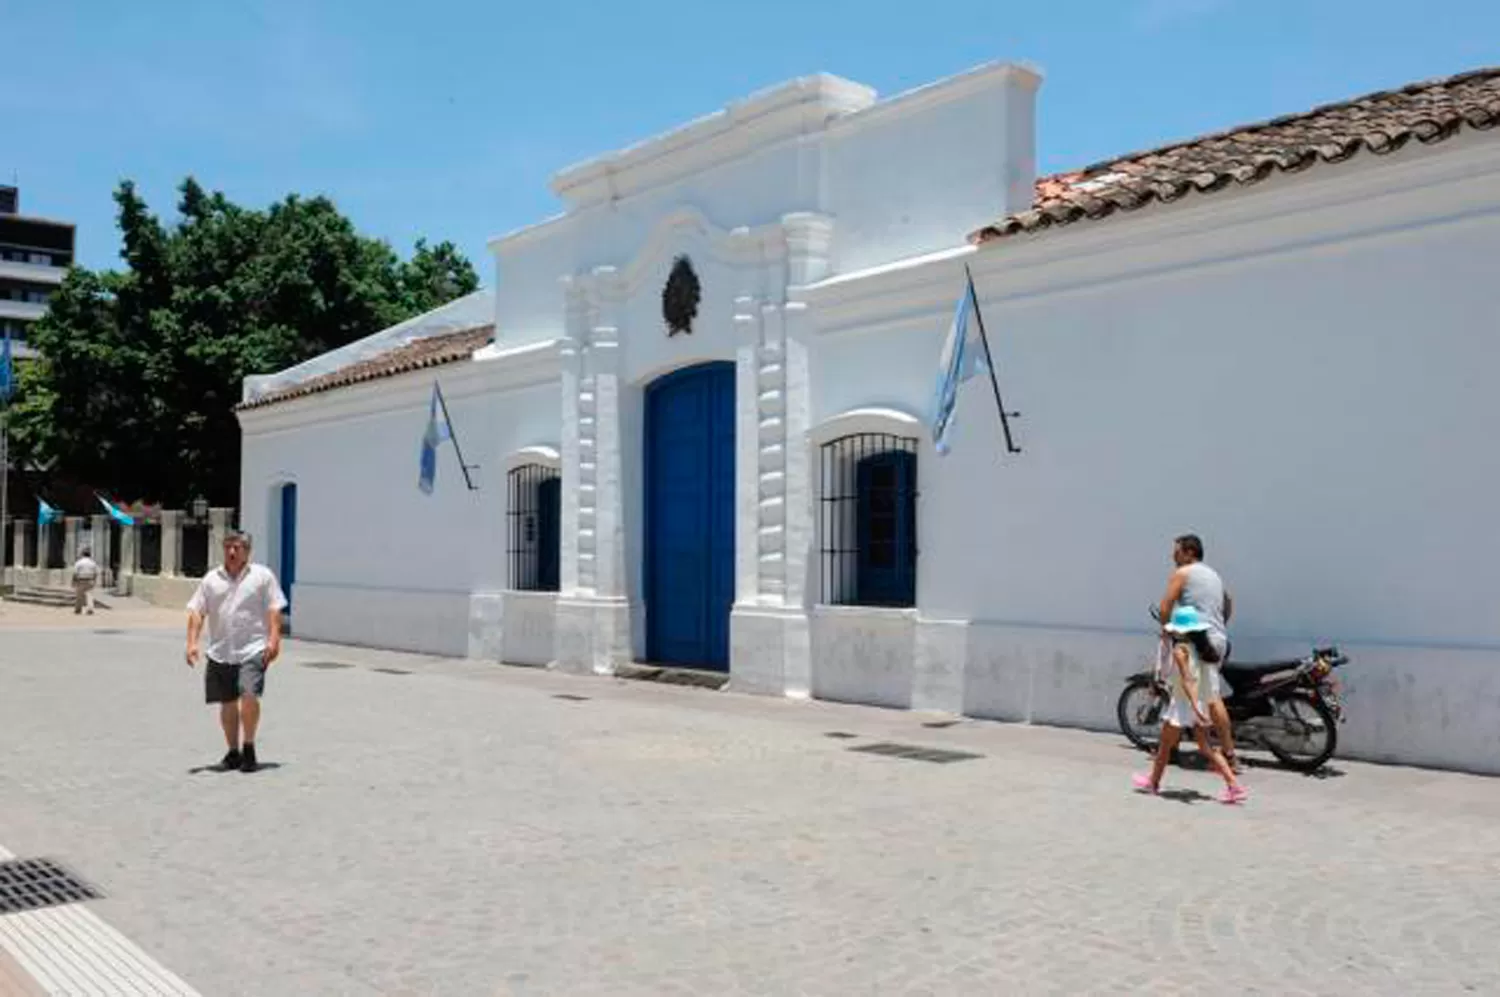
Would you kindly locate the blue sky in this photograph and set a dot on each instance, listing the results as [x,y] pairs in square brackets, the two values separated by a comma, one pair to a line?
[446,120]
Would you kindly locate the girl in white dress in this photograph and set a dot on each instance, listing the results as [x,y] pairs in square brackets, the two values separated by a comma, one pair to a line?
[1190,682]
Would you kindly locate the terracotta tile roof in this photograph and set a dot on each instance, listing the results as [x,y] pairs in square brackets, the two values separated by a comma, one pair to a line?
[432,351]
[1380,123]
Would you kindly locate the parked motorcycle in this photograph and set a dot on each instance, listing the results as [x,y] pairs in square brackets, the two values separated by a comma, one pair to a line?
[1291,708]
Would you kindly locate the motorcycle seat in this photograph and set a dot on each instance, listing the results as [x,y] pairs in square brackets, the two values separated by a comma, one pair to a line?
[1257,670]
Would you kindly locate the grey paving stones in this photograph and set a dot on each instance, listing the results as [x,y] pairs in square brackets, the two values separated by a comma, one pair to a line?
[462,830]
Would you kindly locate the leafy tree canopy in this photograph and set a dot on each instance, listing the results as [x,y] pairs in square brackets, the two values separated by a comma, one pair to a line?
[140,369]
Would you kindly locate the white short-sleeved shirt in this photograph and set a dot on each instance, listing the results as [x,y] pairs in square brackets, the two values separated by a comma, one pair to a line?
[235,610]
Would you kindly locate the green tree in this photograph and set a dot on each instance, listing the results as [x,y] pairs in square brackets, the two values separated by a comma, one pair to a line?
[141,368]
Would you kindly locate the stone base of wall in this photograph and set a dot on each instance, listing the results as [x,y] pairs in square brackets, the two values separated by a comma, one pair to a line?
[165,591]
[530,628]
[401,620]
[40,578]
[593,635]
[769,652]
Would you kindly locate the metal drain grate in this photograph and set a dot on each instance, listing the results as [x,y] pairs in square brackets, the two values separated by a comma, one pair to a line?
[325,664]
[391,671]
[915,752]
[841,735]
[939,724]
[26,884]
[571,698]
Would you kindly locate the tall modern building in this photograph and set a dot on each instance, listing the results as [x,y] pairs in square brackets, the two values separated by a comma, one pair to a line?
[35,253]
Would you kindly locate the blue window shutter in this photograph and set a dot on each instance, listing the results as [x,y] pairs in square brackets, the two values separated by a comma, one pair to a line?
[548,534]
[885,529]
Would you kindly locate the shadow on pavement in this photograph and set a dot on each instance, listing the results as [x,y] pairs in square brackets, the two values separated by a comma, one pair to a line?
[216,769]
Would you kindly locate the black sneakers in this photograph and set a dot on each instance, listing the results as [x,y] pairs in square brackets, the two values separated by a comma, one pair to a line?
[247,758]
[231,760]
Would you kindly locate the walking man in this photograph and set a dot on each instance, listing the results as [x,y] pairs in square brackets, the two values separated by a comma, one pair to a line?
[241,602]
[1193,583]
[85,574]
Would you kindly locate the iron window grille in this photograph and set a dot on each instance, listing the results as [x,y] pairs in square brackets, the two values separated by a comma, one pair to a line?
[535,513]
[868,520]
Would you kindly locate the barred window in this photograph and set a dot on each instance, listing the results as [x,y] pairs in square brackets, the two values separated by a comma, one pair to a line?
[868,520]
[535,513]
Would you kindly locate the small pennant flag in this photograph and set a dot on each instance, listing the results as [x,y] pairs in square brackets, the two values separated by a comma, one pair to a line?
[116,513]
[7,370]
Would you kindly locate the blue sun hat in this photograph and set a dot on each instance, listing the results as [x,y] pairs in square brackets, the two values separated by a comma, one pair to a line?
[1186,620]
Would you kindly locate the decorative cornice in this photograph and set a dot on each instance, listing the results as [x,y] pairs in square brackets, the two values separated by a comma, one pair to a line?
[783,111]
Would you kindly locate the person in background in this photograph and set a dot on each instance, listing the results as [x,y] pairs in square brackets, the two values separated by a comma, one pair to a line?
[1187,707]
[241,604]
[1193,583]
[85,576]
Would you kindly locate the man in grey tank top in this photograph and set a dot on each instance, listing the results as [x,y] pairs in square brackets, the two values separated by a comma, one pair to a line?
[1195,584]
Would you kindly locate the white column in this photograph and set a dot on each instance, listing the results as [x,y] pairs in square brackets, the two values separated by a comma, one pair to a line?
[770,648]
[747,446]
[99,528]
[70,540]
[593,613]
[218,529]
[809,240]
[171,542]
[128,542]
[599,406]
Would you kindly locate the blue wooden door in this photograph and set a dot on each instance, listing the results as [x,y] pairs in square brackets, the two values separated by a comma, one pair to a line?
[689,563]
[288,572]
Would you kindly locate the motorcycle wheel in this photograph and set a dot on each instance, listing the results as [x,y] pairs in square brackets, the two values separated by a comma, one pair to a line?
[1139,711]
[1319,741]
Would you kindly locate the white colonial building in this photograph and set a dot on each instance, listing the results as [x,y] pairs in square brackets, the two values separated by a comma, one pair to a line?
[697,402]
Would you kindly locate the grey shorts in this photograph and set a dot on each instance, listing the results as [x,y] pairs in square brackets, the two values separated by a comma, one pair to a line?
[226,683]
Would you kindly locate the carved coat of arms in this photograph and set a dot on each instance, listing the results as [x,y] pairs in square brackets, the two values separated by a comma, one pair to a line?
[680,298]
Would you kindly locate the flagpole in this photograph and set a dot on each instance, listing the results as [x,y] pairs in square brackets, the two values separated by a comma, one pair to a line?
[5,483]
[453,436]
[989,362]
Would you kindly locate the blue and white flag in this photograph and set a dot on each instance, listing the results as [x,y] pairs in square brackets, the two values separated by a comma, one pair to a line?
[438,430]
[7,373]
[962,358]
[45,513]
[115,513]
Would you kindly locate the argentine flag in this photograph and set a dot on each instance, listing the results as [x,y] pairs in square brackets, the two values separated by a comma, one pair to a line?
[961,359]
[438,430]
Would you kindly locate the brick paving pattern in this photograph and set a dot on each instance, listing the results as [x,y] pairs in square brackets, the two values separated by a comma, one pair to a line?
[461,830]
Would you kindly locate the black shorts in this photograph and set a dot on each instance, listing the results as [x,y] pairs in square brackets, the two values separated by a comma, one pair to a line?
[227,683]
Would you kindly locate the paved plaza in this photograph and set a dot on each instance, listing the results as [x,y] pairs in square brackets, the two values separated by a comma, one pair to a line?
[447,827]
